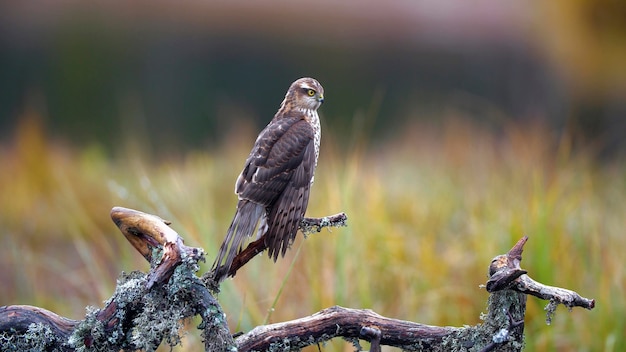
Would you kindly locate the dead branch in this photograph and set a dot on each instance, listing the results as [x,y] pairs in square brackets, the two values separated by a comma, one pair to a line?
[46,330]
[348,323]
[147,309]
[307,226]
[147,232]
[502,328]
[506,273]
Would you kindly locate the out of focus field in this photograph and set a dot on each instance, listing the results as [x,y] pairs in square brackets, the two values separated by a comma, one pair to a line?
[427,212]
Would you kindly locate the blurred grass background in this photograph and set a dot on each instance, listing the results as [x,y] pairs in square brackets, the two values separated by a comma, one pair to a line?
[448,133]
[427,213]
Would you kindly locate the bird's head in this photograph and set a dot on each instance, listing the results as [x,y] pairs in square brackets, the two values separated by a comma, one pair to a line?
[305,93]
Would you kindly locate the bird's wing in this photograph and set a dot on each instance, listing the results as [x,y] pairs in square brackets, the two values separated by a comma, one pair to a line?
[285,216]
[283,154]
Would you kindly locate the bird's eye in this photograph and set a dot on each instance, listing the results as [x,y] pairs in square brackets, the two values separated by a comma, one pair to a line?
[310,92]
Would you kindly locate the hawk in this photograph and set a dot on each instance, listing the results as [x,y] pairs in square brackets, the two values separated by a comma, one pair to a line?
[273,188]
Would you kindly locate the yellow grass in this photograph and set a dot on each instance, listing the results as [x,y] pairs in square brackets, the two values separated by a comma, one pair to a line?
[427,212]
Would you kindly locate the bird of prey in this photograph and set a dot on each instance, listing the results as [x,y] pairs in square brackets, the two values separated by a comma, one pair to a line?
[273,188]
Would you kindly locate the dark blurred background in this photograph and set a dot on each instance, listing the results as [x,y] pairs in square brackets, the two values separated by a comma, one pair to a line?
[178,75]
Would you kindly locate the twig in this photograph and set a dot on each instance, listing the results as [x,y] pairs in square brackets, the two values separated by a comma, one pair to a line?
[307,225]
[312,225]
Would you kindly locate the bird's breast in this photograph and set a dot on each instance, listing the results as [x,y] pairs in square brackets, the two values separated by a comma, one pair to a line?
[317,128]
[314,120]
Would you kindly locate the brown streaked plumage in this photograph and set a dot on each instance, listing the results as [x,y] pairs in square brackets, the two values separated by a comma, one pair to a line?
[273,188]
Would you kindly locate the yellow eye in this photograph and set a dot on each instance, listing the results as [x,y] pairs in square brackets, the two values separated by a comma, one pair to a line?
[310,92]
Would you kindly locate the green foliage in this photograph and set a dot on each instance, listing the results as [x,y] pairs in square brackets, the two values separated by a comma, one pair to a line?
[426,213]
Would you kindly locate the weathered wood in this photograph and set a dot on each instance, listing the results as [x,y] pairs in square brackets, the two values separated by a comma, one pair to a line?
[502,328]
[171,292]
[49,330]
[145,309]
[146,232]
[505,273]
[342,322]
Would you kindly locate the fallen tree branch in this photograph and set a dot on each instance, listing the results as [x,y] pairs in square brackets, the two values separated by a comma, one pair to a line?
[502,328]
[147,309]
[45,330]
[353,324]
[144,311]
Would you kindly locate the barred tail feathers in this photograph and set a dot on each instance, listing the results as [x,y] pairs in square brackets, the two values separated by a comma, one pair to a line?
[242,227]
